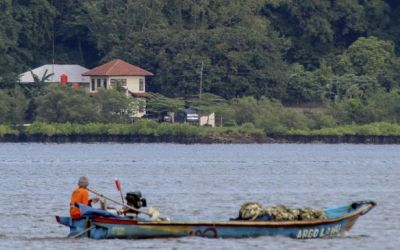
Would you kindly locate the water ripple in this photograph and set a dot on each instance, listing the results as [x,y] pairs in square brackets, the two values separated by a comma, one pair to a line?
[198,182]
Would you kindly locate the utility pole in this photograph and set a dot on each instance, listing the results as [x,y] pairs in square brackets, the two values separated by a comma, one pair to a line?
[53,45]
[201,79]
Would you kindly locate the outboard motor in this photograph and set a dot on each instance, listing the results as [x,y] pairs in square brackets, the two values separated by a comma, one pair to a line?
[134,199]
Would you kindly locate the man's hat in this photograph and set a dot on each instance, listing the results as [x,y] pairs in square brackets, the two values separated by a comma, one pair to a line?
[83,181]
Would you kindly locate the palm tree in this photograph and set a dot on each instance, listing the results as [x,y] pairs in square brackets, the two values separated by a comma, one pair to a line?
[37,88]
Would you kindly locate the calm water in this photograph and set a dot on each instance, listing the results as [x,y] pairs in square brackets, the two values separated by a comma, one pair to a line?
[199,181]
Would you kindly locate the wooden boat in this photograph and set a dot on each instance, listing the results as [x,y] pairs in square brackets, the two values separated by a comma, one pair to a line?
[102,225]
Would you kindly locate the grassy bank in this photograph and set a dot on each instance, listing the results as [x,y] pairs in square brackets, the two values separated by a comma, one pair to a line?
[145,128]
[372,129]
[7,130]
[150,131]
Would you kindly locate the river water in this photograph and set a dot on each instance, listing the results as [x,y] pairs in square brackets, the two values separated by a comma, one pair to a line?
[199,182]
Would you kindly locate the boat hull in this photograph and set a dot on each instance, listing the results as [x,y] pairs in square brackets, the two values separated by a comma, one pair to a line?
[115,229]
[342,218]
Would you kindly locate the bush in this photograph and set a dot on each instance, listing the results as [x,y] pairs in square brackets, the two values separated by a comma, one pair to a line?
[40,128]
[7,130]
[319,119]
[144,127]
[372,129]
[250,130]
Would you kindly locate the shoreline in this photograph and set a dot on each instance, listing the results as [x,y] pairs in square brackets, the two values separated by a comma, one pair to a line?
[270,139]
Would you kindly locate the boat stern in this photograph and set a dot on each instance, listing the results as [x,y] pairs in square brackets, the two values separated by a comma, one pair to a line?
[75,226]
[63,220]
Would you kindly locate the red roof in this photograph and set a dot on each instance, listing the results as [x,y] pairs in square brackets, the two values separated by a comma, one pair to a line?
[117,67]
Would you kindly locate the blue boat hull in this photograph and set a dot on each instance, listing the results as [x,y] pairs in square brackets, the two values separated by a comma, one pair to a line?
[340,220]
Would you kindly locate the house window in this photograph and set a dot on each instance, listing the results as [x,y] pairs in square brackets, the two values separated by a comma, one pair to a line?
[122,82]
[118,84]
[98,83]
[141,84]
[105,83]
[93,85]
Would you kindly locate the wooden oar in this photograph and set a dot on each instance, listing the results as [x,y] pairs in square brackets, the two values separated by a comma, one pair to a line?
[119,203]
[118,186]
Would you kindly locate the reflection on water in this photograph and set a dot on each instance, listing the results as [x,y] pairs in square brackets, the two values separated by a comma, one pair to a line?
[198,182]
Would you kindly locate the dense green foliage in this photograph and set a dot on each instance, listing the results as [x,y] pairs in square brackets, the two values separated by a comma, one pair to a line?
[7,130]
[290,50]
[153,129]
[25,36]
[13,106]
[373,129]
[256,55]
[139,128]
[64,104]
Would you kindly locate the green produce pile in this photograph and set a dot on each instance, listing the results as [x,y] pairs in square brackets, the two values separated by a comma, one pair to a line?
[255,211]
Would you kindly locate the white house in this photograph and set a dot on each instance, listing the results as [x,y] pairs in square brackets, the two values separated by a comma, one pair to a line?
[118,72]
[71,73]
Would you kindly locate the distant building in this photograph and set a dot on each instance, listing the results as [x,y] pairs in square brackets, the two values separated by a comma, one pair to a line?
[117,71]
[207,120]
[192,116]
[71,73]
[120,74]
[188,116]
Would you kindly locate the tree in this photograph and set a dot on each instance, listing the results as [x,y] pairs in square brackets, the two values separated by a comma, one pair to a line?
[73,40]
[242,55]
[248,47]
[5,107]
[63,104]
[350,86]
[318,29]
[368,56]
[19,106]
[111,106]
[245,110]
[35,32]
[305,85]
[157,103]
[8,43]
[13,106]
[373,58]
[25,36]
[351,110]
[384,106]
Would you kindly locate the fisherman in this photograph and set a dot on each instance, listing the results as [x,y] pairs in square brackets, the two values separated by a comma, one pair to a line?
[80,195]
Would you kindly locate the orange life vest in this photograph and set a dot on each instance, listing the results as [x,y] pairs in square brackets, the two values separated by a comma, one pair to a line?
[80,195]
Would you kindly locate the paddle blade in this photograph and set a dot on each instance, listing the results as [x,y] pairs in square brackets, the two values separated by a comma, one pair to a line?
[117,184]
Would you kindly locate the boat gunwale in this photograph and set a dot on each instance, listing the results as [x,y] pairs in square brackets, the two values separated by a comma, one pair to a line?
[360,211]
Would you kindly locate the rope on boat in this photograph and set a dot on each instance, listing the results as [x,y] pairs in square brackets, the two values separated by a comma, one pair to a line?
[83,232]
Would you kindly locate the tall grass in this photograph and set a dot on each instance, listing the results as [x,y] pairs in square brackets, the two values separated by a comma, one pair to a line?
[154,129]
[140,128]
[372,129]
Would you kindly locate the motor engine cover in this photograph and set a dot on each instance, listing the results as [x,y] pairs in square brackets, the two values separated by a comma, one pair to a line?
[135,199]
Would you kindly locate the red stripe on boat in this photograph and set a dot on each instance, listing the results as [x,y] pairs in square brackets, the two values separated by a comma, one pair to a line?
[114,221]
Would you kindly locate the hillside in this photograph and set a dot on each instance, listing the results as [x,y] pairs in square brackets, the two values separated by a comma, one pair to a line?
[339,56]
[290,50]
